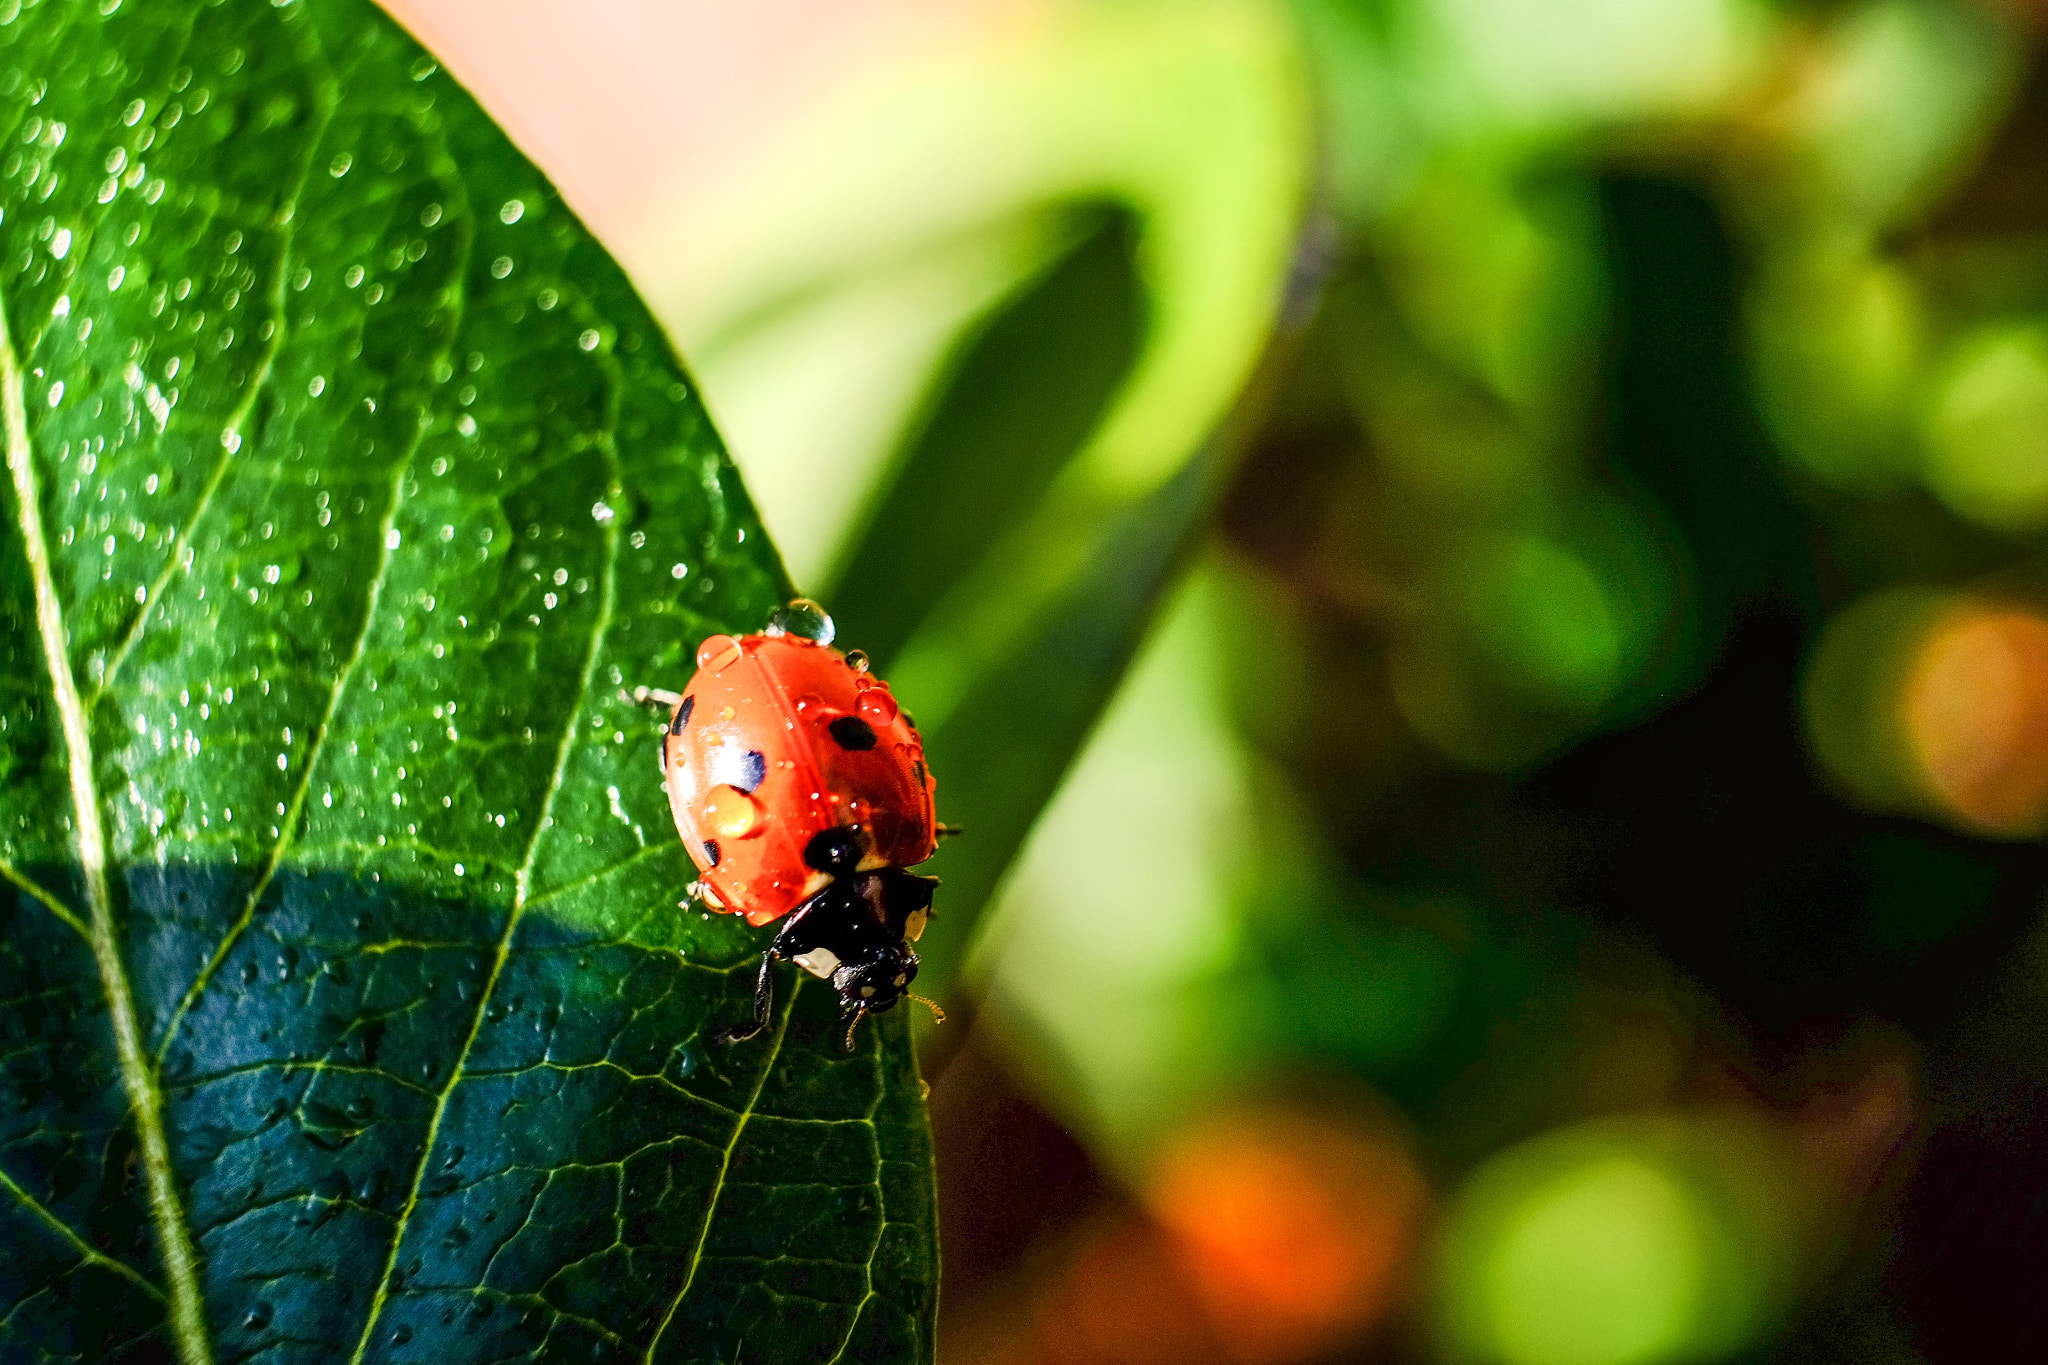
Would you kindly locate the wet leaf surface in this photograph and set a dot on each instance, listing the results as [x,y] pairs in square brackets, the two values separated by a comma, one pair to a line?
[346,1011]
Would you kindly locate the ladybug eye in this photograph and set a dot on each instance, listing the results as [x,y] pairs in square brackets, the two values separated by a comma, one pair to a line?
[851,732]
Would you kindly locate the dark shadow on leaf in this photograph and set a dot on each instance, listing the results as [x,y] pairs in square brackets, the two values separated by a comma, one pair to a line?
[557,1135]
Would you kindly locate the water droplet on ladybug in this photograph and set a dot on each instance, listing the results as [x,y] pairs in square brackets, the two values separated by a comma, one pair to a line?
[857,660]
[878,707]
[733,814]
[717,652]
[726,713]
[804,619]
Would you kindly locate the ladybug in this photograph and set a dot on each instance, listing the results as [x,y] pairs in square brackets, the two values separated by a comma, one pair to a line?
[800,789]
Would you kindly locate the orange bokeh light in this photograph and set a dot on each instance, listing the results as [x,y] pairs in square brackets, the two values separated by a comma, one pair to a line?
[1121,1301]
[1295,1231]
[1975,712]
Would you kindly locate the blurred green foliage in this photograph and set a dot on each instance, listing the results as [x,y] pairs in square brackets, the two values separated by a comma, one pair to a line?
[1504,434]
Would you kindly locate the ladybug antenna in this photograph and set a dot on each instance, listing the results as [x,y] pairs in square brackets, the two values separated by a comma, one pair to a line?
[938,1015]
[860,1012]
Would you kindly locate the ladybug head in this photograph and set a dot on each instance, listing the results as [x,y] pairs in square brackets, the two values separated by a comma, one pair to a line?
[873,982]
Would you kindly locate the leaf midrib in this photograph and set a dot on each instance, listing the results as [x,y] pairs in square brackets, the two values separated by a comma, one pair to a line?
[181,1270]
[185,1306]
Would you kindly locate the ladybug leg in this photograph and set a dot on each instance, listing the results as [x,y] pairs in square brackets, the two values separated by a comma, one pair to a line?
[764,1005]
[792,941]
[652,697]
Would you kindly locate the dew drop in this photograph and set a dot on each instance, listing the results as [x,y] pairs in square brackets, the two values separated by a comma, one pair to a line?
[878,707]
[717,652]
[733,814]
[803,618]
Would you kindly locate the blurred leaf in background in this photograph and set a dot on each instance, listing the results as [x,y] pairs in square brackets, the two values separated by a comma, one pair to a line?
[1115,191]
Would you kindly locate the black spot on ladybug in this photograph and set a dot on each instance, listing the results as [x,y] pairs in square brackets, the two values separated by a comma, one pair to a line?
[711,851]
[675,727]
[851,732]
[753,768]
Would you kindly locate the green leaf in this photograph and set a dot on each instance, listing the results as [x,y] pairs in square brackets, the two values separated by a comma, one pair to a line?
[1017,730]
[345,1008]
[1018,402]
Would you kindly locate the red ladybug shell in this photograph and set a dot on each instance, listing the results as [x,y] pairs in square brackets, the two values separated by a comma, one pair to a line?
[776,740]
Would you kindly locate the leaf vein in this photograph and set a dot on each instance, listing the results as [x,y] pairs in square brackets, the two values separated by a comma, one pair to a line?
[522,886]
[297,805]
[49,901]
[724,1165]
[231,430]
[87,1252]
